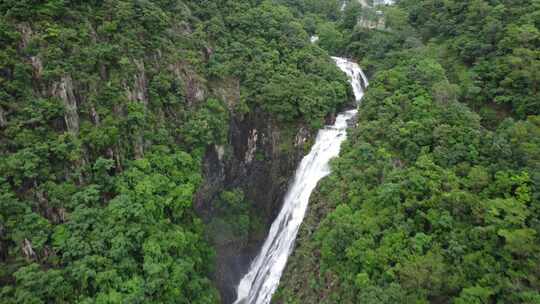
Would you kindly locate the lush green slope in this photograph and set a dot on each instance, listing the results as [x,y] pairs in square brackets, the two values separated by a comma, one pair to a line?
[87,88]
[106,109]
[431,202]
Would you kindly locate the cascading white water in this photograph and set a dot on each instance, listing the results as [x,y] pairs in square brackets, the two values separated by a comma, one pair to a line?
[383,2]
[260,283]
[357,78]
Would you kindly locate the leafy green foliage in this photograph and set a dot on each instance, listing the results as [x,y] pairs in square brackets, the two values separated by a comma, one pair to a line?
[498,40]
[425,206]
[268,49]
[106,109]
[234,219]
[431,202]
[145,244]
[208,125]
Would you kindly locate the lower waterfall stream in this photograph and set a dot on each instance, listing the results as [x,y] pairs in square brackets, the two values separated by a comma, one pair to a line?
[262,279]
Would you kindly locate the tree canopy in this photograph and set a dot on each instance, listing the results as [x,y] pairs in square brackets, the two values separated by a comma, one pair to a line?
[434,198]
[106,111]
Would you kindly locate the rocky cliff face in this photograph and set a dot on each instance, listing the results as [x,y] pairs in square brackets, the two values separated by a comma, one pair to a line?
[260,160]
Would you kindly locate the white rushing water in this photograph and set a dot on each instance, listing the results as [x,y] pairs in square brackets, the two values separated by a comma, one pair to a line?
[343,6]
[383,2]
[260,283]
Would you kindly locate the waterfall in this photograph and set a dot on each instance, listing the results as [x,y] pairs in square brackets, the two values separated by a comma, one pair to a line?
[262,279]
[357,78]
[383,2]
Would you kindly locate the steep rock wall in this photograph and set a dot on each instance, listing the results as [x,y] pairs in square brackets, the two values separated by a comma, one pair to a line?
[262,157]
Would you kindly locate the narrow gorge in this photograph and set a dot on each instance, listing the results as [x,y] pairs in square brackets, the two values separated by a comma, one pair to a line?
[259,284]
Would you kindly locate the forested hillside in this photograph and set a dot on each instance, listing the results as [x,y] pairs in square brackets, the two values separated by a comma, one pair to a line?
[436,195]
[106,111]
[141,141]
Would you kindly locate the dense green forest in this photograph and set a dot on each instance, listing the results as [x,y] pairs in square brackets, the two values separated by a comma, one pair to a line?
[436,195]
[108,106]
[106,109]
